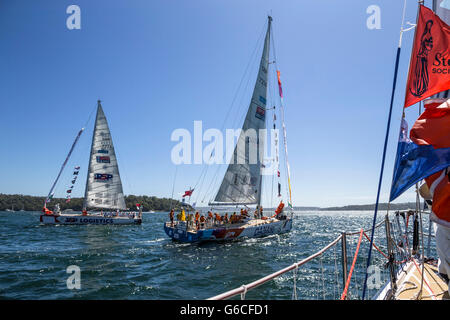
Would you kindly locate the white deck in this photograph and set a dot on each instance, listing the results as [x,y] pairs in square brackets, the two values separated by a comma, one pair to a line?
[409,284]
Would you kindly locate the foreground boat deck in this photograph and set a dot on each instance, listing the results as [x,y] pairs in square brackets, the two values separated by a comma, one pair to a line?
[409,283]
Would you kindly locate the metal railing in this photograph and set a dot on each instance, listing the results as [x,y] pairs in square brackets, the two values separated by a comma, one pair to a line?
[242,290]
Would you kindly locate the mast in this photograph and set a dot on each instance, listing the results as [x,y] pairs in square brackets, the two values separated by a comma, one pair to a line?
[242,182]
[267,42]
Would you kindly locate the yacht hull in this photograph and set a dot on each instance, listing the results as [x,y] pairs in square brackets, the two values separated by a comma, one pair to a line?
[78,219]
[253,229]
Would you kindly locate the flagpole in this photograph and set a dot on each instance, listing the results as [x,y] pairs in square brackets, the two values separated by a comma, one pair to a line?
[397,59]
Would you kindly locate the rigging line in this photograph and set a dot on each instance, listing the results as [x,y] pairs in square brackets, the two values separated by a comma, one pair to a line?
[244,110]
[173,186]
[421,232]
[116,152]
[250,62]
[271,192]
[344,293]
[243,94]
[323,279]
[336,273]
[276,159]
[55,185]
[287,171]
[397,60]
[239,115]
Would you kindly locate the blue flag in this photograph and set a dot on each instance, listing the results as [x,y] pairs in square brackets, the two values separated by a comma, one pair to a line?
[415,162]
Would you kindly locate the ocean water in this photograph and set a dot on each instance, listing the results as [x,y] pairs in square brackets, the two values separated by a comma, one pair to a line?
[141,262]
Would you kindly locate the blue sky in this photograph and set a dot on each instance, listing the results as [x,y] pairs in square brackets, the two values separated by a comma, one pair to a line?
[160,65]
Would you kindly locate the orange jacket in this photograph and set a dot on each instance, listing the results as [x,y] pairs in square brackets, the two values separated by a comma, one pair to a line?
[439,185]
[280,208]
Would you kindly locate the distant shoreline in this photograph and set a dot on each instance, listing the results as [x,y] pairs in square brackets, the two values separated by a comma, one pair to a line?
[151,203]
[19,202]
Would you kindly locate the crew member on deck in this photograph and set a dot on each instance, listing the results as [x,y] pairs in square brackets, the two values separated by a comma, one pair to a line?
[197,217]
[437,189]
[202,222]
[171,214]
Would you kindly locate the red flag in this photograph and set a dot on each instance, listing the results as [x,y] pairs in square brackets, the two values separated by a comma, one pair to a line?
[429,70]
[188,193]
[279,84]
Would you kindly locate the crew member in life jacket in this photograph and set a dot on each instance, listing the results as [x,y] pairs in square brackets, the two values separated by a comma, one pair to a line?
[47,211]
[279,210]
[438,186]
[84,212]
[225,218]
[197,217]
[202,222]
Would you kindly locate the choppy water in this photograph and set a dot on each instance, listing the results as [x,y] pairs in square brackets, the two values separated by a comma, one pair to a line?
[140,262]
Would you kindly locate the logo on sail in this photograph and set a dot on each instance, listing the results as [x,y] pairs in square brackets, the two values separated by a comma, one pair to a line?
[262,99]
[103,176]
[421,77]
[260,113]
[103,159]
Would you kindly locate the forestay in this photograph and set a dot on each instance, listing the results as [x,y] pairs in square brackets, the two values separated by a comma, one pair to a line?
[243,180]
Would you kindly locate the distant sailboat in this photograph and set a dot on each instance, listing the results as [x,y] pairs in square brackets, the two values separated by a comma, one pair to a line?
[242,182]
[103,185]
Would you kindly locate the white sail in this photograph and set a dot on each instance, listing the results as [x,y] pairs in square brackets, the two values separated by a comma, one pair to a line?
[243,180]
[103,185]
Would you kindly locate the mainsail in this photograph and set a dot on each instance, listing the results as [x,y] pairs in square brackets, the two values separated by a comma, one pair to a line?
[243,180]
[103,185]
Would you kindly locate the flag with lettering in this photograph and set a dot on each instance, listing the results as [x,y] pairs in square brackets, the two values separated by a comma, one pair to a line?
[429,69]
